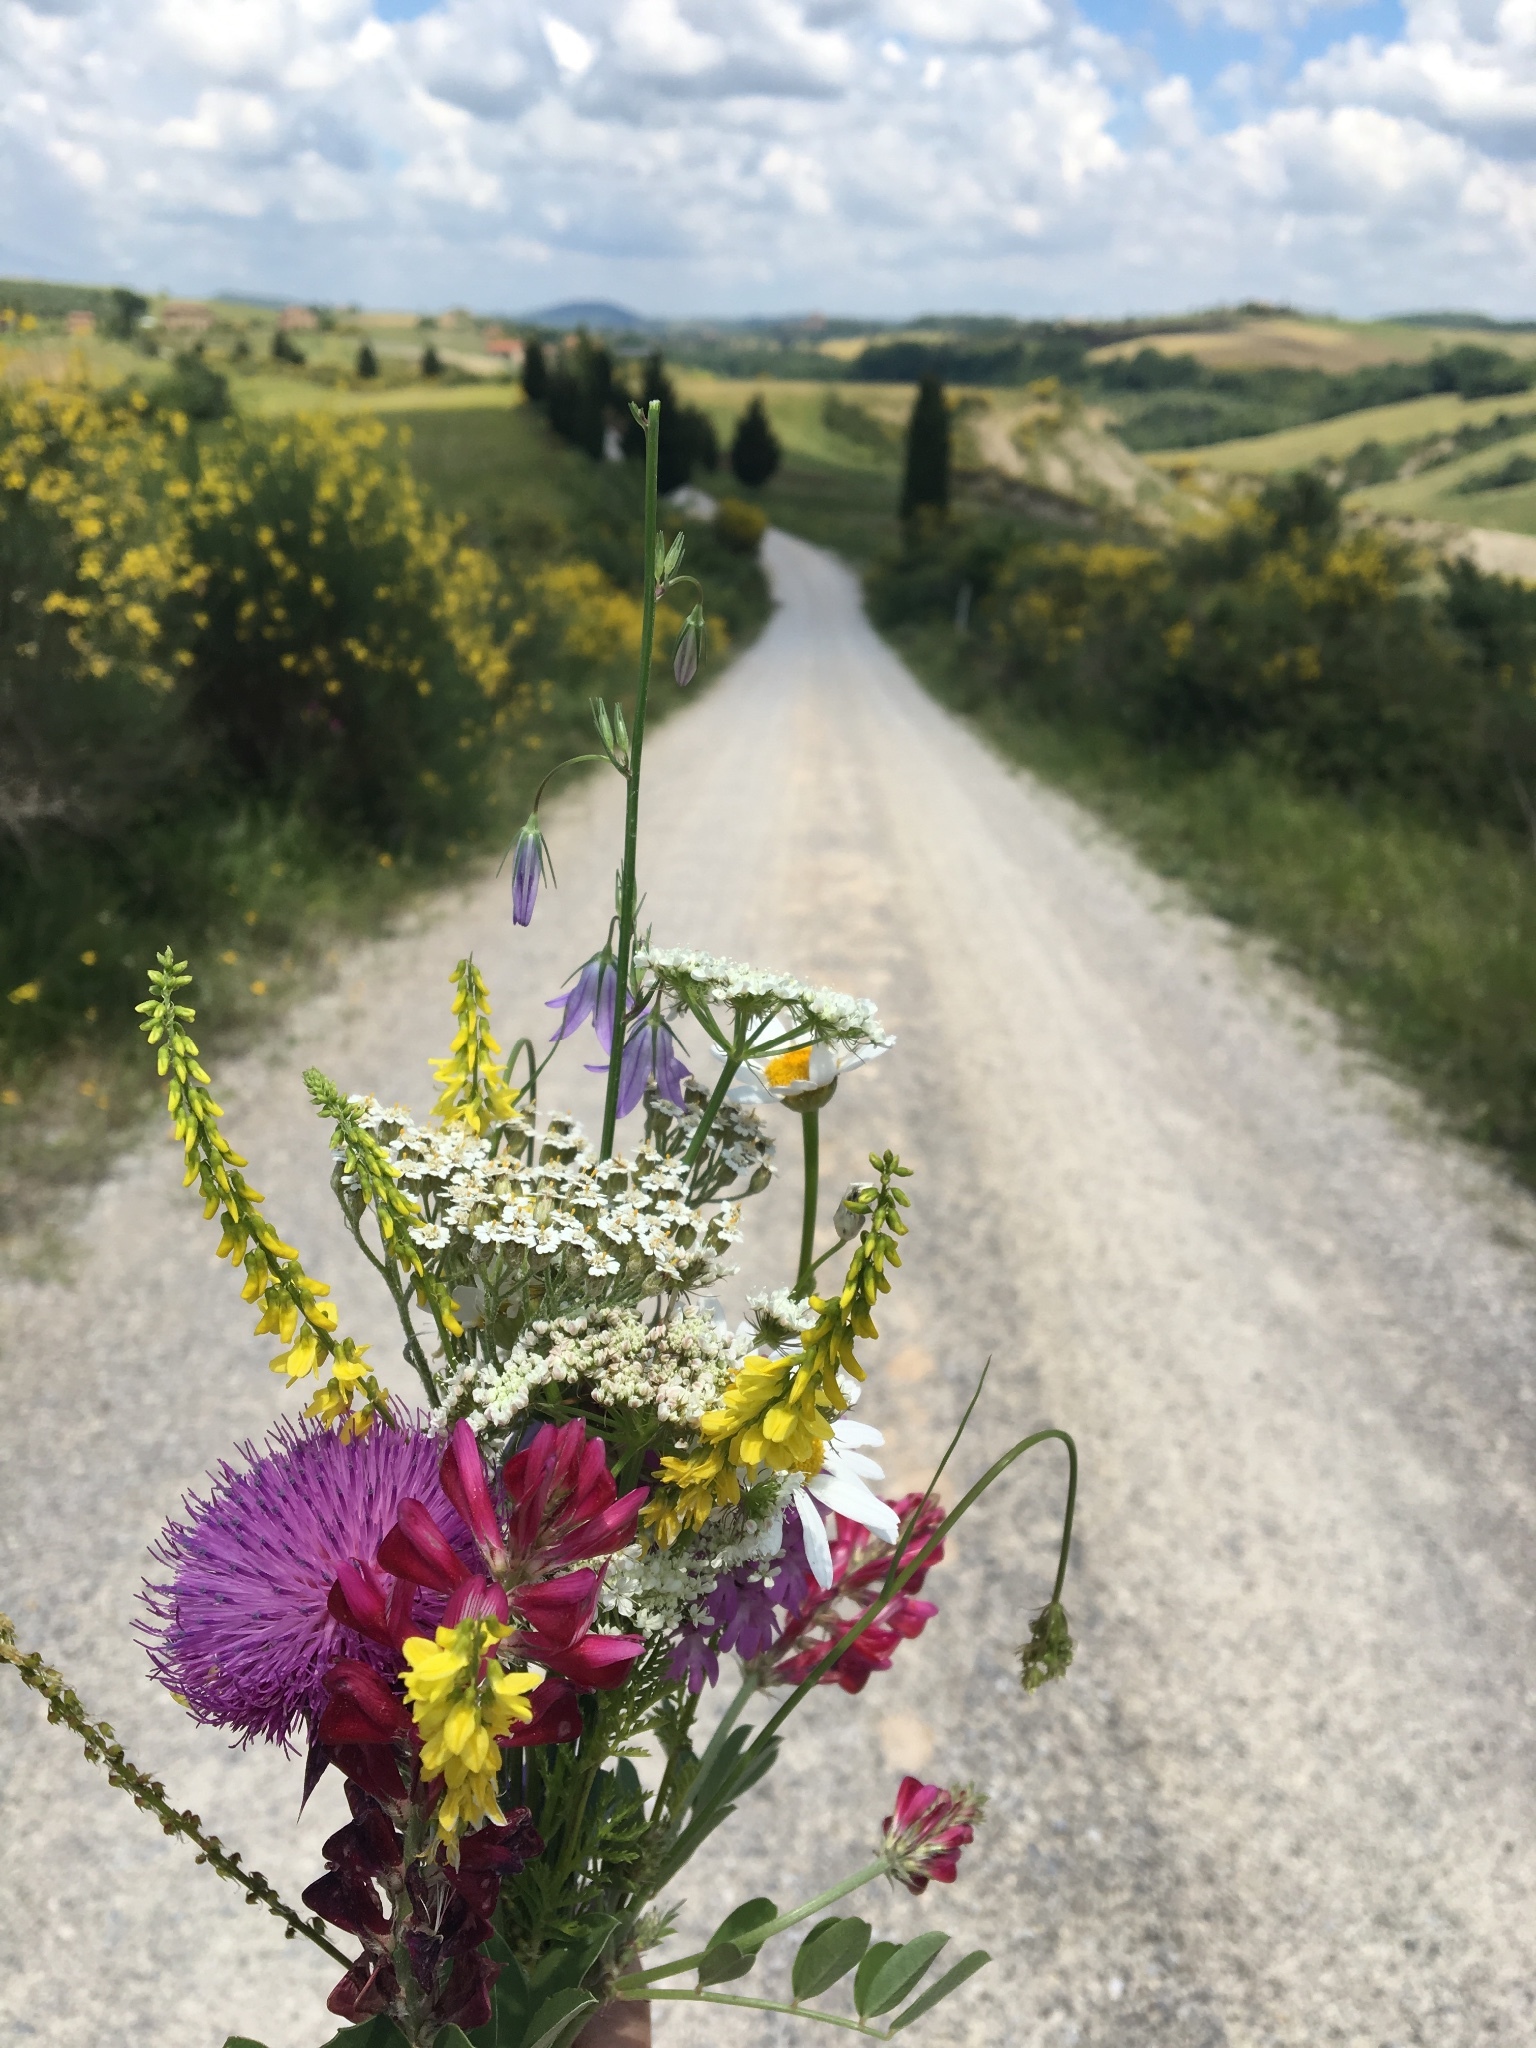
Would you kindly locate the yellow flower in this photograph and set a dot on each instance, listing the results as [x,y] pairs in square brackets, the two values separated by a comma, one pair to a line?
[462,1700]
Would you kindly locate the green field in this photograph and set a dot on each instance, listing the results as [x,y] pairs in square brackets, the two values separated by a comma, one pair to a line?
[1332,440]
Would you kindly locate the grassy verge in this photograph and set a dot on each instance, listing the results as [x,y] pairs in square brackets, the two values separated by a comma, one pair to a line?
[1424,942]
[268,903]
[851,511]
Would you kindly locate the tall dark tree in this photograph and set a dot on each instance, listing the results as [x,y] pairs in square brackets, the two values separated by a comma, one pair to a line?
[925,480]
[755,447]
[580,393]
[284,348]
[535,373]
[128,309]
[431,361]
[367,361]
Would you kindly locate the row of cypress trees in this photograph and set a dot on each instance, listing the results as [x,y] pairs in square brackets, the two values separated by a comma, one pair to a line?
[586,399]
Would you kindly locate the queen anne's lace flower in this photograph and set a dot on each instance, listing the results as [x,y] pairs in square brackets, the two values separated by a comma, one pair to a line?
[824,1014]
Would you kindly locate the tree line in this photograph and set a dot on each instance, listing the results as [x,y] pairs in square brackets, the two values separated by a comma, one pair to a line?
[586,398]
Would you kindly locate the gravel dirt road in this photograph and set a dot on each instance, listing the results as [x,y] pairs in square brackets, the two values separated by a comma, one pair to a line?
[1285,1796]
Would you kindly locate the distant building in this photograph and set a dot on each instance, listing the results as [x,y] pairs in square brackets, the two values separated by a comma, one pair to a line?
[297,319]
[79,322]
[506,345]
[185,316]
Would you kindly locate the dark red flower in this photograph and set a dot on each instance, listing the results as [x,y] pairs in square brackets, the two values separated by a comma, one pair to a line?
[349,1902]
[361,1706]
[828,1616]
[369,1987]
[562,1501]
[924,1836]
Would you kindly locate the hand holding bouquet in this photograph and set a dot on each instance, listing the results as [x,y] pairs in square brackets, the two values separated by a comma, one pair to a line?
[482,1605]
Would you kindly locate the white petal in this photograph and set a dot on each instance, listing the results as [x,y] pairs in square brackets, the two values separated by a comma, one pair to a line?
[855,1461]
[823,1066]
[846,1431]
[851,1497]
[818,1552]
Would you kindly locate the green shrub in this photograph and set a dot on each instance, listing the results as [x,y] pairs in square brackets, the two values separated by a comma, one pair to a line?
[739,526]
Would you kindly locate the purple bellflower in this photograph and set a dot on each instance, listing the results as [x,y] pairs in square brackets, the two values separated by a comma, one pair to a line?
[241,1630]
[530,866]
[650,1054]
[590,994]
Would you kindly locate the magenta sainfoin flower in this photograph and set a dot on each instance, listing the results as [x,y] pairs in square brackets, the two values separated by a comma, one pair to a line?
[242,1630]
[924,1836]
[560,1506]
[826,1616]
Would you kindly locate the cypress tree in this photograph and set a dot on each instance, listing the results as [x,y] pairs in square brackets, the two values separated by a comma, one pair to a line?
[431,362]
[535,373]
[926,480]
[367,361]
[755,447]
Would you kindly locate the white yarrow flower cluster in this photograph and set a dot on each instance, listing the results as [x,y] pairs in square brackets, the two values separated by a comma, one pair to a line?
[657,1592]
[559,1231]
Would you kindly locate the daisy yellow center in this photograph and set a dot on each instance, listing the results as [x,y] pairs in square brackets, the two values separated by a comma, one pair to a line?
[787,1067]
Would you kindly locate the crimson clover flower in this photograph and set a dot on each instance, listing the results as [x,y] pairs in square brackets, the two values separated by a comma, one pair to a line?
[860,1564]
[591,994]
[650,1056]
[530,866]
[924,1836]
[243,1630]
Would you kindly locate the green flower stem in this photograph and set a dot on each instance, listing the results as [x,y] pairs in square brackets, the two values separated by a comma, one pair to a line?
[102,1747]
[627,893]
[890,1591]
[799,2012]
[879,1868]
[728,1073]
[811,1134]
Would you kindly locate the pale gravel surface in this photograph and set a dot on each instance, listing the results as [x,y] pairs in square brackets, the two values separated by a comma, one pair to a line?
[1285,1796]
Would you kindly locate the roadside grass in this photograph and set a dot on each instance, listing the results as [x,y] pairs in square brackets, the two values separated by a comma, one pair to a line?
[288,904]
[851,511]
[1423,942]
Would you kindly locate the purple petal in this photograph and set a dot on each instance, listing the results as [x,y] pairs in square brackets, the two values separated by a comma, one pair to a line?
[527,873]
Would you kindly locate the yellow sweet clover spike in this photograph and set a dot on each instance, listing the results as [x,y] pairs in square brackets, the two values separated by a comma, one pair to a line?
[474,1091]
[462,1700]
[777,1412]
[293,1304]
[365,1161]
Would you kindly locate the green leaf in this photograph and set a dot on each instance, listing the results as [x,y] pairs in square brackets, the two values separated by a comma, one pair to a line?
[874,1962]
[898,1973]
[379,2032]
[723,1961]
[950,1981]
[558,2020]
[241,2041]
[452,2037]
[736,1926]
[828,1952]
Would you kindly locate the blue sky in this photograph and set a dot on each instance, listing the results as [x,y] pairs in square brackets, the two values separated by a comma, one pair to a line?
[737,156]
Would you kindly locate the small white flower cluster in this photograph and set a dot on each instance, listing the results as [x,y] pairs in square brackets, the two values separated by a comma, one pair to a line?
[656,1592]
[676,1370]
[613,1229]
[773,1323]
[827,1015]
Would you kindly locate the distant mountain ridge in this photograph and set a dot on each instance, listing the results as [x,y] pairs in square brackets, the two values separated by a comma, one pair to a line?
[598,313]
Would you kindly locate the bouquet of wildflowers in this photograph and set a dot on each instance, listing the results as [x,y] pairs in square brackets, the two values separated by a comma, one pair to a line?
[482,1603]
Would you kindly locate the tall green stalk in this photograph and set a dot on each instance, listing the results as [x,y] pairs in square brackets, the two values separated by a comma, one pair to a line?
[628,894]
[810,1122]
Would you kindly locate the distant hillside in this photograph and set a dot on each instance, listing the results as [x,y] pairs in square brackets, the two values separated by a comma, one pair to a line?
[602,314]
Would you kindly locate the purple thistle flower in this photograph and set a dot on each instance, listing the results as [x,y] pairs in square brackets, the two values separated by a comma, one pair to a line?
[590,995]
[530,862]
[241,1629]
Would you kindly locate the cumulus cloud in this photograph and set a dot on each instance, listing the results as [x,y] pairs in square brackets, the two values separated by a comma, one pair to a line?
[733,155]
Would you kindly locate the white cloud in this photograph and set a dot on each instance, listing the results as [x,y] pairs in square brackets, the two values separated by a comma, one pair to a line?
[751,154]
